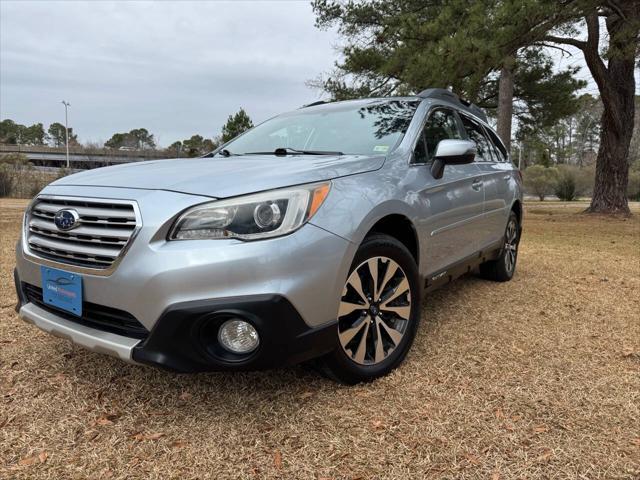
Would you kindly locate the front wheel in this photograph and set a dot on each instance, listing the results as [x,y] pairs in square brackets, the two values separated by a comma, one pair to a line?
[379,312]
[503,268]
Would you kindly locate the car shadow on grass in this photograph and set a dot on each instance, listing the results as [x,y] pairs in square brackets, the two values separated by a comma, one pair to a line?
[105,379]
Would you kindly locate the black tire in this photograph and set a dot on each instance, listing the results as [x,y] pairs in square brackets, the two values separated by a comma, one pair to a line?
[503,268]
[342,364]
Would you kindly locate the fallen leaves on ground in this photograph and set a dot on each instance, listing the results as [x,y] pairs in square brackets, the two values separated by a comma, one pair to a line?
[277,459]
[144,437]
[34,459]
[535,378]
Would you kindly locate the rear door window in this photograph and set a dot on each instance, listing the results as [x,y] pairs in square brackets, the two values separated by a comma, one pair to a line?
[476,133]
[499,150]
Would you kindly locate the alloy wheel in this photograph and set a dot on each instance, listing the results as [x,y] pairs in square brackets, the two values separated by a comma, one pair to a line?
[511,245]
[375,310]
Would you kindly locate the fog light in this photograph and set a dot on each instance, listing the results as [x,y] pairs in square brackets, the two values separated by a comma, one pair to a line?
[238,336]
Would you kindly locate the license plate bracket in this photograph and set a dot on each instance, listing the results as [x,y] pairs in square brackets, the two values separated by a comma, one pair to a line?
[62,290]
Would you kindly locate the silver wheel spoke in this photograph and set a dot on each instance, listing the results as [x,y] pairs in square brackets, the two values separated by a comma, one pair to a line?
[403,287]
[510,246]
[511,233]
[392,267]
[404,312]
[348,334]
[379,356]
[356,283]
[510,259]
[395,335]
[373,271]
[362,347]
[347,307]
[364,342]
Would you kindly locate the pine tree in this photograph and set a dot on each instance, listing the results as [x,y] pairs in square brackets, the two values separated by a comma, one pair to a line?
[236,124]
[401,46]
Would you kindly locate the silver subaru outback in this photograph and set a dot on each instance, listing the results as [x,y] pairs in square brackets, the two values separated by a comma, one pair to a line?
[312,236]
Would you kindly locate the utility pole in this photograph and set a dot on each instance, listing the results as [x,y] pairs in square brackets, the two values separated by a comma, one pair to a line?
[520,156]
[66,127]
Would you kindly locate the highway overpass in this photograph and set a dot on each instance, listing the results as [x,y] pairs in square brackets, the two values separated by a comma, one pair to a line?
[79,158]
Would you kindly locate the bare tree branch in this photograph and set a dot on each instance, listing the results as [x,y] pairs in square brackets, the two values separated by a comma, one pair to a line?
[378,87]
[563,50]
[614,6]
[567,41]
[592,54]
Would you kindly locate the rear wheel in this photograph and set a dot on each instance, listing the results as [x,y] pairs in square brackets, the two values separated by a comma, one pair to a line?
[379,312]
[503,268]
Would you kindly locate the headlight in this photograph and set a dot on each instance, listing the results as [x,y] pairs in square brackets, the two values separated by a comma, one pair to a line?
[252,217]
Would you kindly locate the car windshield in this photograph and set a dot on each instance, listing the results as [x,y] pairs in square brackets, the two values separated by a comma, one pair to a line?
[348,128]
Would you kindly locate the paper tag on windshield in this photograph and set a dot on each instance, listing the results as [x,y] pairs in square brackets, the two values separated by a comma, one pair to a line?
[381,148]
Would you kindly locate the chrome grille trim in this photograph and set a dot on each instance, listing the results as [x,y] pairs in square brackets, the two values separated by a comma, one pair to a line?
[105,232]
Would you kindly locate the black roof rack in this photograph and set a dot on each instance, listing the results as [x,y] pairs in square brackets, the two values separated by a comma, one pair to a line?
[319,102]
[449,96]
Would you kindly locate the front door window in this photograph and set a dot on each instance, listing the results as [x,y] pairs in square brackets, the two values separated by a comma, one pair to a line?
[441,125]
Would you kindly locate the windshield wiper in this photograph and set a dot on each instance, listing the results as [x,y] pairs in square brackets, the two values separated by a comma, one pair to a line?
[226,153]
[282,151]
[285,150]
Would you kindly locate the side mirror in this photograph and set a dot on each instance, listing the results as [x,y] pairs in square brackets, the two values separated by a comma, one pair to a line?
[452,152]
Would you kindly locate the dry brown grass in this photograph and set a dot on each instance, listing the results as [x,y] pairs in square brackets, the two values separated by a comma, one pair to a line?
[536,378]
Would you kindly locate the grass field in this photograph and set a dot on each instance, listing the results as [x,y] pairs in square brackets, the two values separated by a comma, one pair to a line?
[535,378]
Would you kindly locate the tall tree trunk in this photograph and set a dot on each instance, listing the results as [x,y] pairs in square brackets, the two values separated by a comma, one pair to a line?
[616,83]
[505,101]
[612,163]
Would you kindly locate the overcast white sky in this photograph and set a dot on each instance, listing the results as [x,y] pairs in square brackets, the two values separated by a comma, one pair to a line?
[175,68]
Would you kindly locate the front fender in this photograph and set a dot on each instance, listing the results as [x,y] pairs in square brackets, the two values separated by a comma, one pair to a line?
[357,203]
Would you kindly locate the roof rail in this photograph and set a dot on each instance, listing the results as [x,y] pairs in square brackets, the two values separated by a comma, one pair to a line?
[319,102]
[448,95]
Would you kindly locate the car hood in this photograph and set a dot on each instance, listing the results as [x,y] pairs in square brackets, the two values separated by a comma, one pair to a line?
[225,177]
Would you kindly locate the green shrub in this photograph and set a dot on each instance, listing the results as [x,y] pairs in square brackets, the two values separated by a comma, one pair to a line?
[584,180]
[34,183]
[540,180]
[15,160]
[6,181]
[19,179]
[62,172]
[36,180]
[567,185]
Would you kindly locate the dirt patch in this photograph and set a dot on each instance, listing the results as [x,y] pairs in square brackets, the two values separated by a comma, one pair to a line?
[535,378]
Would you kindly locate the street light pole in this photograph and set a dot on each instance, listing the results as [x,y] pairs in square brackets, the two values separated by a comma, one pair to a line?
[66,127]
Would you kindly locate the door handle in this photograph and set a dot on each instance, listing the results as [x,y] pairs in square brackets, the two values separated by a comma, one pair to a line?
[507,177]
[476,185]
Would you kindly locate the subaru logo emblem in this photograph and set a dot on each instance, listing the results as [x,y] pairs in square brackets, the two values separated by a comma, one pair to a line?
[66,219]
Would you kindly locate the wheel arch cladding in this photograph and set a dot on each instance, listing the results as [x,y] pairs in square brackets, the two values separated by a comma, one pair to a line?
[401,228]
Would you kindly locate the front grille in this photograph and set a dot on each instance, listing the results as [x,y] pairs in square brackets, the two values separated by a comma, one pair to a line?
[104,230]
[93,315]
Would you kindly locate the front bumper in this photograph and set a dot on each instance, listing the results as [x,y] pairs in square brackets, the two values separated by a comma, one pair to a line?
[289,286]
[184,338]
[92,339]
